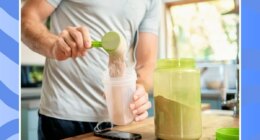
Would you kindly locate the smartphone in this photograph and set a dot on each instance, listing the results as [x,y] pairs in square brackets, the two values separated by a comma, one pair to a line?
[117,135]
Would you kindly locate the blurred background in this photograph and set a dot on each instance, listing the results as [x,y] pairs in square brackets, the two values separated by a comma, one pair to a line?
[206,30]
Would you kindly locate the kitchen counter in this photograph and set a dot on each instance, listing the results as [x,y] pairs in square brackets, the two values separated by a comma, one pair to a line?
[210,123]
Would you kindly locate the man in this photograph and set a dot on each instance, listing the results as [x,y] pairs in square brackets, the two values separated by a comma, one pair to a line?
[72,99]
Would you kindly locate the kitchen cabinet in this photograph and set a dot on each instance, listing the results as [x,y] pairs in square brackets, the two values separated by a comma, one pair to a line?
[29,119]
[29,113]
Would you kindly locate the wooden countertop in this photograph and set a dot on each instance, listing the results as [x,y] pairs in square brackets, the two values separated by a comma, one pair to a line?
[210,123]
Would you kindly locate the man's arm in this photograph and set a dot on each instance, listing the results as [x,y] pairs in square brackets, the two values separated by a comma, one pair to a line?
[34,33]
[146,59]
[71,42]
[146,55]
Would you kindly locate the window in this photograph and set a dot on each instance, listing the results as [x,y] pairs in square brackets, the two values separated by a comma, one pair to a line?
[202,29]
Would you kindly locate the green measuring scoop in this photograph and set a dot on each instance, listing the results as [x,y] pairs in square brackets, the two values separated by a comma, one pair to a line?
[109,42]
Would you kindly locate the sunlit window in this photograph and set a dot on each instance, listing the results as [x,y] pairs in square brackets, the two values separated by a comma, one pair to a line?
[205,30]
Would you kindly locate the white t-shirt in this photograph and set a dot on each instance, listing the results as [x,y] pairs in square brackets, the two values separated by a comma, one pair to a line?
[73,89]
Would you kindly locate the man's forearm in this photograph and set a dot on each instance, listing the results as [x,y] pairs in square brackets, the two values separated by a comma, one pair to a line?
[146,59]
[37,37]
[145,75]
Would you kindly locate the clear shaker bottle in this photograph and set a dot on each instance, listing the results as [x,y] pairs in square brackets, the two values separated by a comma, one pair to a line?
[119,94]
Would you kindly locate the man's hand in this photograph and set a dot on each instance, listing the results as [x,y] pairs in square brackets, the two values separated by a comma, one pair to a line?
[72,42]
[140,104]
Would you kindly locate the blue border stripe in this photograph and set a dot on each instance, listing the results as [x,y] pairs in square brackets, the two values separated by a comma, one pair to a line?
[9,60]
[250,70]
[11,7]
[8,97]
[9,129]
[9,47]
